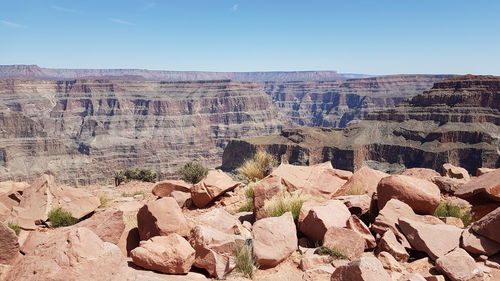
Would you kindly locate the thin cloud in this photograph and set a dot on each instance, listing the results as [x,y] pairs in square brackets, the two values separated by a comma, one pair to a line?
[236,7]
[120,21]
[63,9]
[150,5]
[11,24]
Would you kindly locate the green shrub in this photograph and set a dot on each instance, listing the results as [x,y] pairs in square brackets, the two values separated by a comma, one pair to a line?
[193,172]
[248,207]
[335,253]
[15,227]
[245,262]
[284,202]
[140,174]
[258,167]
[60,217]
[447,209]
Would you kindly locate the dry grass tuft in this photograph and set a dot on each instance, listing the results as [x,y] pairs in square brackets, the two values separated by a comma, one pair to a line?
[284,202]
[258,167]
[245,262]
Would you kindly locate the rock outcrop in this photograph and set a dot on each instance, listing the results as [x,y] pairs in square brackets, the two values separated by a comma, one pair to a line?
[457,121]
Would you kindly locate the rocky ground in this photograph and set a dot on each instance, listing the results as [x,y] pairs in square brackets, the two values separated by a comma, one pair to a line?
[366,225]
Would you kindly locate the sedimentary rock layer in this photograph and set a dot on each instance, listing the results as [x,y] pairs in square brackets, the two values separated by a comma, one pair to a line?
[456,121]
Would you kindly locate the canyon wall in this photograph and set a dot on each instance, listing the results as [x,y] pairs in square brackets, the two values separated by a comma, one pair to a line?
[456,121]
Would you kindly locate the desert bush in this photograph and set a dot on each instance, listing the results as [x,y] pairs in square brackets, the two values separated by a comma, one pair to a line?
[258,167]
[15,227]
[248,206]
[284,202]
[447,209]
[244,260]
[193,172]
[356,189]
[326,251]
[140,174]
[60,217]
[104,200]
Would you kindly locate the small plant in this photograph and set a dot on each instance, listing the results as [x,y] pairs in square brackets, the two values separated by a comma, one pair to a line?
[258,167]
[127,194]
[104,200]
[245,262]
[356,189]
[60,217]
[15,227]
[284,202]
[193,172]
[140,174]
[447,209]
[248,207]
[326,251]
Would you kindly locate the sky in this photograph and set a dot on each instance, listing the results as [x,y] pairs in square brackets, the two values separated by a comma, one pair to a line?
[350,36]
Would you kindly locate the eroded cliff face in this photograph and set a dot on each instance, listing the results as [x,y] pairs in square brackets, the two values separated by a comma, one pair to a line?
[85,130]
[338,103]
[456,121]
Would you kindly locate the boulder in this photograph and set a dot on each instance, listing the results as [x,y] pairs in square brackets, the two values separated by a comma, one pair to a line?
[364,180]
[168,254]
[270,247]
[263,190]
[214,250]
[10,196]
[455,172]
[389,243]
[459,266]
[355,224]
[489,225]
[9,245]
[311,261]
[213,185]
[453,221]
[357,204]
[421,195]
[43,195]
[166,187]
[107,224]
[346,241]
[435,240]
[363,269]
[321,217]
[482,171]
[389,262]
[318,180]
[421,173]
[71,254]
[221,220]
[161,217]
[448,185]
[183,199]
[477,244]
[484,187]
[412,277]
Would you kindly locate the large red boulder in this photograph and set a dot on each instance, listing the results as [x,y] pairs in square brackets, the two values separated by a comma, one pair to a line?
[213,185]
[107,224]
[263,190]
[459,266]
[319,218]
[358,226]
[421,195]
[363,269]
[421,173]
[345,241]
[451,171]
[161,217]
[270,247]
[363,181]
[166,187]
[478,244]
[481,189]
[489,225]
[9,245]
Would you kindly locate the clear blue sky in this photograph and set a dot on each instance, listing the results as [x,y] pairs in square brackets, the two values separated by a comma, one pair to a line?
[371,36]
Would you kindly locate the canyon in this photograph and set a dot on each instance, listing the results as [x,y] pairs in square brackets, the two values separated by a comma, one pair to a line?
[456,121]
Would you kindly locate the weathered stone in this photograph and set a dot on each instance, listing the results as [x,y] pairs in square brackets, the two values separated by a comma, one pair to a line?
[484,187]
[421,173]
[363,269]
[321,217]
[9,245]
[435,240]
[213,185]
[161,217]
[346,241]
[390,244]
[453,221]
[455,172]
[311,261]
[489,225]
[364,180]
[477,244]
[448,185]
[169,254]
[421,195]
[389,262]
[357,204]
[318,180]
[221,220]
[271,247]
[166,187]
[183,199]
[320,273]
[482,171]
[355,224]
[263,190]
[459,266]
[412,277]
[107,224]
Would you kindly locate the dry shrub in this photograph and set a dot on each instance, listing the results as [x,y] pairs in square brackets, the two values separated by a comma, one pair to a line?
[258,167]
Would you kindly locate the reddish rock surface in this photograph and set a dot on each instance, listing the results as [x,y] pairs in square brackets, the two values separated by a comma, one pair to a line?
[421,173]
[355,224]
[451,171]
[390,244]
[459,266]
[166,187]
[421,195]
[107,224]
[214,184]
[364,269]
[161,217]
[482,189]
[489,225]
[9,245]
[477,244]
[364,180]
[321,217]
[346,241]
[263,190]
